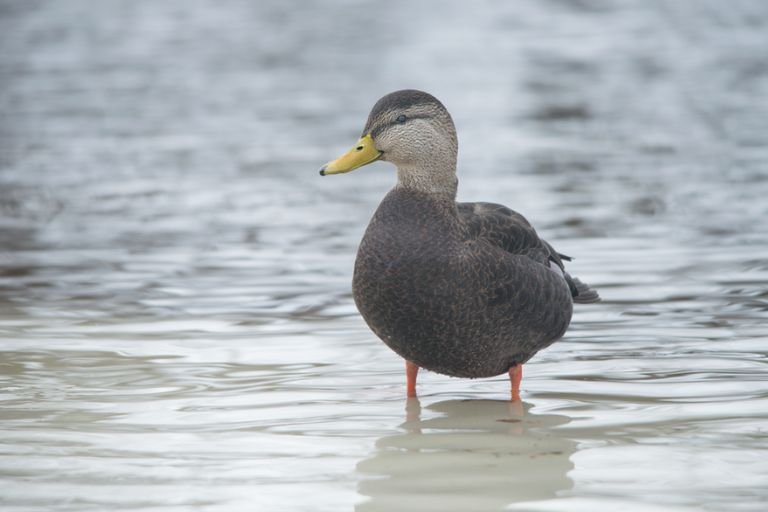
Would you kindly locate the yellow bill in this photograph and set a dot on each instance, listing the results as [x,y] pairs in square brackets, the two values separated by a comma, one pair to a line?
[363,153]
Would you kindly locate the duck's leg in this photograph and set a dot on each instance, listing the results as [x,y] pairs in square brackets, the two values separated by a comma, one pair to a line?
[515,377]
[411,370]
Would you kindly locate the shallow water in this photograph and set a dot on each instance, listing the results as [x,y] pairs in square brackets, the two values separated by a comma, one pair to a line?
[175,312]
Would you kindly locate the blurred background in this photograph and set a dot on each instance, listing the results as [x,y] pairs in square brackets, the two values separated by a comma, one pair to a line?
[175,274]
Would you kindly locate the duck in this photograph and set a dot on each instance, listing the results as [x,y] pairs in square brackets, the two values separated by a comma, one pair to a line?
[464,289]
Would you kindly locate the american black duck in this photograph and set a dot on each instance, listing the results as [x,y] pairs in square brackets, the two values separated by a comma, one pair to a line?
[462,289]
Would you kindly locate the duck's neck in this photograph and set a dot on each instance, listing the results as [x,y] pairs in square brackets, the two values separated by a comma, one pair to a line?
[436,178]
[428,213]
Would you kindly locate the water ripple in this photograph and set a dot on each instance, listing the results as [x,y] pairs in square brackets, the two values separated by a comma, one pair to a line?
[175,307]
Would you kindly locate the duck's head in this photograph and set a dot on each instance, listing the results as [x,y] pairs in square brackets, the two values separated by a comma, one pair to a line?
[412,130]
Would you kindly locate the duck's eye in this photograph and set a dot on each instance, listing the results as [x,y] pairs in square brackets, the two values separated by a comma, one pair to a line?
[401,118]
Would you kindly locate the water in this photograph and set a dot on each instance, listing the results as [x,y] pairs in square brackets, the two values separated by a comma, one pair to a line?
[177,326]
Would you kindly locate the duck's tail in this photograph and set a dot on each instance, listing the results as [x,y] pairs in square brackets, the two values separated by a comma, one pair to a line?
[582,293]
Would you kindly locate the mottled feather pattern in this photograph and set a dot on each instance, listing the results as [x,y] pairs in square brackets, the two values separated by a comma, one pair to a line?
[511,231]
[453,293]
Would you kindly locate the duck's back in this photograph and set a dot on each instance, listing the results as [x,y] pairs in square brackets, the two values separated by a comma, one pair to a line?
[447,297]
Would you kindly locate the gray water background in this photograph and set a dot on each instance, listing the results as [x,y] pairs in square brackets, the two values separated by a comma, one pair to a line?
[176,324]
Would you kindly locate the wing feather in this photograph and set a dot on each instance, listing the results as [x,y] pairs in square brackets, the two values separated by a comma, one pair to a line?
[507,229]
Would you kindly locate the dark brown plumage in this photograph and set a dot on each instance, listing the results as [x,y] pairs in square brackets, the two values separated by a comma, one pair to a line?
[463,289]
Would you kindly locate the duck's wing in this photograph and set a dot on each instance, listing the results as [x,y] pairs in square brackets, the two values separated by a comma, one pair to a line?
[510,231]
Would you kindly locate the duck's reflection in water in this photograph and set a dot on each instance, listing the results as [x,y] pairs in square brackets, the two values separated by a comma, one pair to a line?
[476,455]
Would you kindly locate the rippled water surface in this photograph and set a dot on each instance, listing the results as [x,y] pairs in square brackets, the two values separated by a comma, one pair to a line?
[176,323]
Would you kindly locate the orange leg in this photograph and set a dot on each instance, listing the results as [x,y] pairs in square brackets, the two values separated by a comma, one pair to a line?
[411,370]
[515,377]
